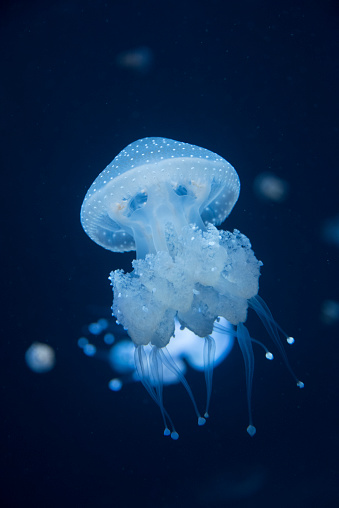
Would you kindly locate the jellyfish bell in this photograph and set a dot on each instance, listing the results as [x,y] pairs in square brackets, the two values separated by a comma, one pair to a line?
[164,199]
[152,183]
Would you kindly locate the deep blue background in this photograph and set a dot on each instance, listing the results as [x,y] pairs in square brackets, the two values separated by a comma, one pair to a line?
[256,82]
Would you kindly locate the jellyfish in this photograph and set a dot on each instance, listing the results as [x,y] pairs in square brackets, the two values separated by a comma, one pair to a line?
[40,357]
[138,59]
[164,199]
[270,187]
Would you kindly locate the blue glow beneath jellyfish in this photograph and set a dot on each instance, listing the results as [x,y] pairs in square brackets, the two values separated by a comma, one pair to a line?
[185,349]
[164,199]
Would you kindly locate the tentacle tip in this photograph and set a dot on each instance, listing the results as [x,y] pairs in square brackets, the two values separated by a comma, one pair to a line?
[300,384]
[174,435]
[201,420]
[269,355]
[290,340]
[206,415]
[167,432]
[251,430]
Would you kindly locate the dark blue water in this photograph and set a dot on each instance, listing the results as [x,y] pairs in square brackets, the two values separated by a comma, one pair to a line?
[257,83]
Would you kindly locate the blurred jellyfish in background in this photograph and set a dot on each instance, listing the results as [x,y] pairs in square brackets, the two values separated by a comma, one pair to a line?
[40,357]
[330,312]
[139,59]
[270,187]
[107,341]
[231,485]
[164,198]
[330,231]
